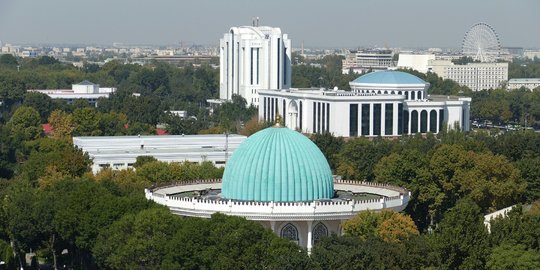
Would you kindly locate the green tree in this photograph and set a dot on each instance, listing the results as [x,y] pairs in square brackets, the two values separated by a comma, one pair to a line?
[330,146]
[137,240]
[513,257]
[86,122]
[461,237]
[62,124]
[8,60]
[388,225]
[41,102]
[25,124]
[358,157]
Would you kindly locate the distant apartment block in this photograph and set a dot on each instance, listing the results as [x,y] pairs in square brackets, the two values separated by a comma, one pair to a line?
[83,90]
[252,58]
[529,83]
[476,76]
[363,61]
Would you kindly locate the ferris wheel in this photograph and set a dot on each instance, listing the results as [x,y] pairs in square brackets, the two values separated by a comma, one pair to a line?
[481,43]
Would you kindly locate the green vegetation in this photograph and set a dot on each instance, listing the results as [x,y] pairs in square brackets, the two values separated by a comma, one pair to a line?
[52,205]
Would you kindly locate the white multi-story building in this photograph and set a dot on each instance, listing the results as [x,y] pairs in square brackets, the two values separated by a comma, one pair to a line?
[476,76]
[252,58]
[529,83]
[362,61]
[83,90]
[383,103]
[418,62]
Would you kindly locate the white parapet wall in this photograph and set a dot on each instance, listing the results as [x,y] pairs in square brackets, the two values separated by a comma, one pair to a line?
[394,198]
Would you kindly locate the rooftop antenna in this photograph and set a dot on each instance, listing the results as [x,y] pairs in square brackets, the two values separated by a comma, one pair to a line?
[253,21]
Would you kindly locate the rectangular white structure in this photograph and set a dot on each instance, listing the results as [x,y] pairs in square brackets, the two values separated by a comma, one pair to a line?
[350,114]
[121,152]
[418,62]
[529,83]
[89,91]
[253,58]
[476,76]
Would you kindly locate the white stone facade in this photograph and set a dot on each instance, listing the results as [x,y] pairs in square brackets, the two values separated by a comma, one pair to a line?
[253,58]
[372,113]
[302,222]
[529,83]
[476,76]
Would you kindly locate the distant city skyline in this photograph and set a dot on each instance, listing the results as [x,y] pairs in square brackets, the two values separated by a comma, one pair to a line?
[339,23]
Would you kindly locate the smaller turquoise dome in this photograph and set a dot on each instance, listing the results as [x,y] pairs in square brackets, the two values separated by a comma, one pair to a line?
[280,165]
[389,77]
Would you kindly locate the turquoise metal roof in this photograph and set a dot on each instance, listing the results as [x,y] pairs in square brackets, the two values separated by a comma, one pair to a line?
[389,77]
[280,165]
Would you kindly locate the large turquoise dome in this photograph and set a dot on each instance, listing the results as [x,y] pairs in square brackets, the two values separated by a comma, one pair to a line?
[280,165]
[388,77]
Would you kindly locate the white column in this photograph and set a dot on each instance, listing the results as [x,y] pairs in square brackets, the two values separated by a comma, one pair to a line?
[409,123]
[371,119]
[395,123]
[273,226]
[428,123]
[309,236]
[437,112]
[383,119]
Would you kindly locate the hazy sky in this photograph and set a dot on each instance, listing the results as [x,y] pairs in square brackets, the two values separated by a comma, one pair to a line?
[330,23]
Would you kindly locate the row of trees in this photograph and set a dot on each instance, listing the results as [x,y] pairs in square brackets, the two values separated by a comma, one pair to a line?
[493,171]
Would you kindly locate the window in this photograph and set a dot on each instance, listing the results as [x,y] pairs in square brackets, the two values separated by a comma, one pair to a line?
[289,232]
[323,122]
[278,61]
[406,122]
[441,119]
[264,109]
[328,117]
[433,121]
[353,120]
[318,117]
[365,119]
[319,231]
[284,114]
[400,119]
[377,119]
[314,116]
[388,119]
[414,122]
[423,121]
[300,114]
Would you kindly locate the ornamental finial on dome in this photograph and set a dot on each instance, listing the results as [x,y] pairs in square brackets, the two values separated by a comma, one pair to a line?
[278,120]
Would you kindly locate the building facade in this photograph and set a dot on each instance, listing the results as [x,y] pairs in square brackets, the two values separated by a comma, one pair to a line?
[476,76]
[252,58]
[529,83]
[365,60]
[384,103]
[86,90]
[121,152]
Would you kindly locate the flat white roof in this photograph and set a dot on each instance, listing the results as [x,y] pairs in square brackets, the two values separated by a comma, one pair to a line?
[170,148]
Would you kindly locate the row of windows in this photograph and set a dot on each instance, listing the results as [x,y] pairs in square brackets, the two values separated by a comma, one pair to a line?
[376,128]
[290,232]
[270,106]
[424,125]
[321,117]
[414,95]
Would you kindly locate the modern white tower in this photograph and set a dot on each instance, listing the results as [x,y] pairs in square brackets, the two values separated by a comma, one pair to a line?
[252,58]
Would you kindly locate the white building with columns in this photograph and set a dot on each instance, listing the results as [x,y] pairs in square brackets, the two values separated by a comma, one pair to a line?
[252,58]
[384,103]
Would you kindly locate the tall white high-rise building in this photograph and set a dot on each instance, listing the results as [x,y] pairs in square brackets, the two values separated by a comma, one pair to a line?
[252,58]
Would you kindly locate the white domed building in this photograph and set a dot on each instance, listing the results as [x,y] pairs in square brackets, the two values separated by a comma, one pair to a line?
[382,103]
[280,178]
